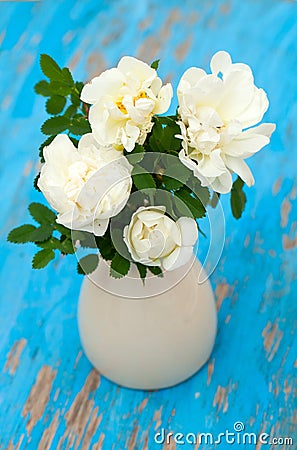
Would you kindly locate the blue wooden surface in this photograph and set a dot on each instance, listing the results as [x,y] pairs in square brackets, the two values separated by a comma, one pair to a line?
[49,395]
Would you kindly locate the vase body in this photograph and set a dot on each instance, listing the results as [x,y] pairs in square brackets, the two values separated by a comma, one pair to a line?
[147,340]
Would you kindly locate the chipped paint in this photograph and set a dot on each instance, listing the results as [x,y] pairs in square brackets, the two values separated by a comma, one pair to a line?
[286,208]
[223,291]
[272,336]
[49,433]
[38,397]
[210,369]
[221,398]
[13,357]
[183,48]
[80,412]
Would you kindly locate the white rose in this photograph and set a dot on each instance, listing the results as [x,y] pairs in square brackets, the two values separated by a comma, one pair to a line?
[86,185]
[124,100]
[215,113]
[154,239]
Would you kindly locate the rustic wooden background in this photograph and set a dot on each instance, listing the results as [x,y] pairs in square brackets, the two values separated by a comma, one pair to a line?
[50,398]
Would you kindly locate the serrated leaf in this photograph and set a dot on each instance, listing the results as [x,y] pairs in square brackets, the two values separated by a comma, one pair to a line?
[119,266]
[191,205]
[86,239]
[60,88]
[67,247]
[75,98]
[142,179]
[55,104]
[177,171]
[105,246]
[165,198]
[87,264]
[47,142]
[162,138]
[50,68]
[52,244]
[79,126]
[42,233]
[41,213]
[43,88]
[67,76]
[42,258]
[79,86]
[70,111]
[21,235]
[156,270]
[55,125]
[238,198]
[155,64]
[63,230]
[35,182]
[171,183]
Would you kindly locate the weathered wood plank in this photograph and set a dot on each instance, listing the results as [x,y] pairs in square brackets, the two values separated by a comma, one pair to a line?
[49,395]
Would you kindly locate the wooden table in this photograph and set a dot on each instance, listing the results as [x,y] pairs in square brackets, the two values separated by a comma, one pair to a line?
[50,396]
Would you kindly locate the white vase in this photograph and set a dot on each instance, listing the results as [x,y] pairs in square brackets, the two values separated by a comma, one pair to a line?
[151,342]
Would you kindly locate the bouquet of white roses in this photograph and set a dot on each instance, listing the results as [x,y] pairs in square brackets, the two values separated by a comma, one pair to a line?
[128,181]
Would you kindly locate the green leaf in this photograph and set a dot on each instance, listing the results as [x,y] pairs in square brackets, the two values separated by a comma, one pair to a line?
[60,88]
[79,126]
[47,142]
[136,155]
[119,266]
[42,258]
[35,182]
[142,179]
[162,138]
[67,76]
[86,239]
[67,247]
[74,141]
[79,86]
[21,235]
[41,213]
[171,183]
[55,104]
[75,98]
[42,233]
[118,241]
[52,244]
[177,170]
[155,270]
[191,205]
[215,199]
[165,198]
[105,246]
[142,270]
[202,192]
[155,64]
[63,230]
[70,111]
[55,125]
[238,198]
[43,88]
[50,68]
[87,264]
